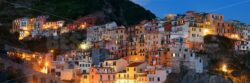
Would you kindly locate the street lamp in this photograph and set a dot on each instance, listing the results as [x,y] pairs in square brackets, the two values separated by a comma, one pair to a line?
[84,46]
[205,32]
[224,68]
[46,64]
[52,51]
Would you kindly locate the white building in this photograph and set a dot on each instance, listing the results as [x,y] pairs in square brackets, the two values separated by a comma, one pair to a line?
[66,71]
[81,58]
[157,75]
[179,33]
[242,46]
[184,56]
[102,32]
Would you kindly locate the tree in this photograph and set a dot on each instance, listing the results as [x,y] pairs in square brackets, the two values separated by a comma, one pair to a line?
[2,66]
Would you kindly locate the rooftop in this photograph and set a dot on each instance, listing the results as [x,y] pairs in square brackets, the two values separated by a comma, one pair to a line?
[135,64]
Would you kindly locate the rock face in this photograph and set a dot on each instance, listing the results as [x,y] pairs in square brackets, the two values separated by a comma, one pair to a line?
[192,77]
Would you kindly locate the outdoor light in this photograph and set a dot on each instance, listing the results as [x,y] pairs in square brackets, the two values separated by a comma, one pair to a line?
[136,59]
[84,46]
[52,51]
[34,56]
[224,68]
[205,32]
[46,64]
[173,54]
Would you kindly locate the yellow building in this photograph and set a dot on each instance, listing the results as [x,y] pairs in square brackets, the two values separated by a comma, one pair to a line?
[134,73]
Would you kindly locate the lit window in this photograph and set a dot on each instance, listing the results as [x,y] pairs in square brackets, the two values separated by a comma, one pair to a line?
[173,54]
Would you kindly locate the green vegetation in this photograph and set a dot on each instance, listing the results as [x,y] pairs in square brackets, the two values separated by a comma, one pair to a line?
[124,12]
[7,38]
[11,75]
[63,42]
[237,62]
[222,41]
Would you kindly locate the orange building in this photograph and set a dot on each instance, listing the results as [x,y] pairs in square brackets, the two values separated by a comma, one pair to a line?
[101,75]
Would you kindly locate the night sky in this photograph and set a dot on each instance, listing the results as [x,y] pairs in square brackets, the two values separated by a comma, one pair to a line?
[231,9]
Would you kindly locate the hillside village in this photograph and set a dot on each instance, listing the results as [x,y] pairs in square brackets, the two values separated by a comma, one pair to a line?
[148,52]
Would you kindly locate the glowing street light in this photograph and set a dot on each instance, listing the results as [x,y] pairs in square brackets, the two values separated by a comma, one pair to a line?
[205,32]
[224,68]
[84,46]
[44,69]
[52,51]
[39,62]
[46,64]
[136,59]
[33,56]
[235,36]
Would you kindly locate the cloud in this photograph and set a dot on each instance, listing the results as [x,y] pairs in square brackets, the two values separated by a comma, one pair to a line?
[141,2]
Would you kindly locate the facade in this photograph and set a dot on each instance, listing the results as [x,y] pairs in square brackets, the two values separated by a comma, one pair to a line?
[102,75]
[134,73]
[242,45]
[182,56]
[36,27]
[117,64]
[157,75]
[144,53]
[99,55]
[102,32]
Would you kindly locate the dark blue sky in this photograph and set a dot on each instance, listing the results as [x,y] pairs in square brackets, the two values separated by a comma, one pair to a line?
[231,9]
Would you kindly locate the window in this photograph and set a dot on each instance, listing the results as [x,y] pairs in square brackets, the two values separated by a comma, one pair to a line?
[85,76]
[100,77]
[186,50]
[134,69]
[158,79]
[140,70]
[193,35]
[114,63]
[167,71]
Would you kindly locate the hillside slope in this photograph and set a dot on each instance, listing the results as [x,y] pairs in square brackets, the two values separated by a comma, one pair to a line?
[124,12]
